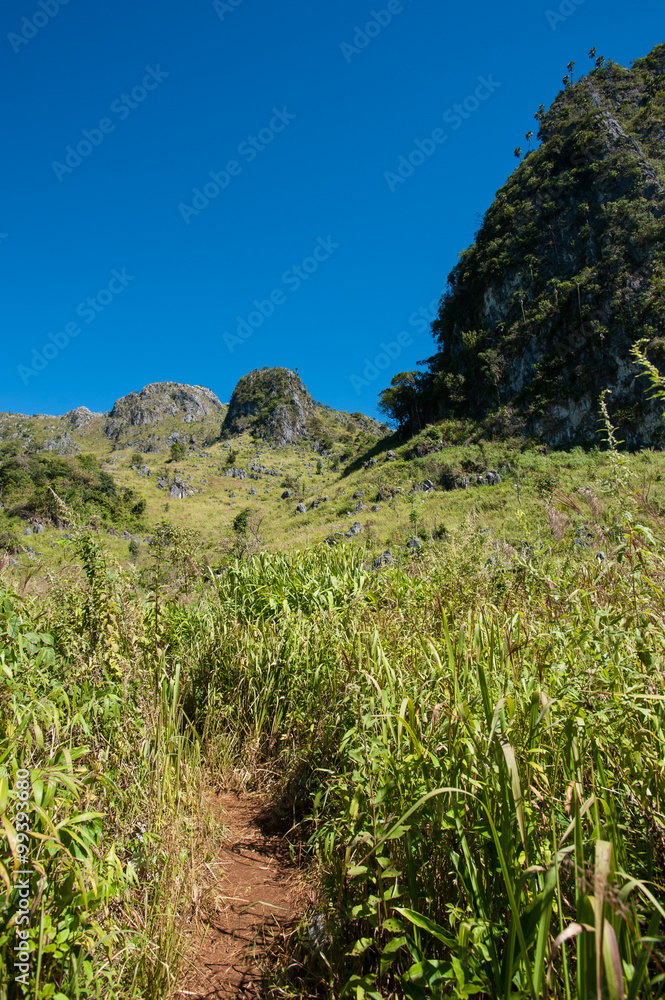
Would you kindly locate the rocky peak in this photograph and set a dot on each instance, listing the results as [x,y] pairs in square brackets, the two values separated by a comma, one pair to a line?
[161,400]
[80,417]
[272,403]
[566,272]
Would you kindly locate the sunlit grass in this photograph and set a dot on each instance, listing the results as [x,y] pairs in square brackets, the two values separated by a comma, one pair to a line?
[469,745]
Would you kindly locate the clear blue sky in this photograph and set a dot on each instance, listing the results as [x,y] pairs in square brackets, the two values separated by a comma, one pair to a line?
[316,181]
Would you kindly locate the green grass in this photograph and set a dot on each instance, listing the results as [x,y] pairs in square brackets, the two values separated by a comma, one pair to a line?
[476,743]
[93,734]
[467,746]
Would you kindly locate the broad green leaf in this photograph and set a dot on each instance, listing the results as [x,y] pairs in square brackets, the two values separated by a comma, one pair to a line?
[424,923]
[612,963]
[361,946]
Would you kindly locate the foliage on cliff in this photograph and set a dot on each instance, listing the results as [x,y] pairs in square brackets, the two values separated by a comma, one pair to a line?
[566,273]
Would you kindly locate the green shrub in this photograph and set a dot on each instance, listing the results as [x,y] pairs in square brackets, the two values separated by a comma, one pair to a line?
[9,542]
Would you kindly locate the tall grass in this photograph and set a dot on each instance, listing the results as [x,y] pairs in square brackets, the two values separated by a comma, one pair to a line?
[114,779]
[470,747]
[478,744]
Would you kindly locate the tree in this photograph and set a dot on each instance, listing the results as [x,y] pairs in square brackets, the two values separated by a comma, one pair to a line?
[400,401]
[529,137]
[540,113]
[571,67]
[592,53]
[566,81]
[494,366]
[518,152]
[240,522]
[177,452]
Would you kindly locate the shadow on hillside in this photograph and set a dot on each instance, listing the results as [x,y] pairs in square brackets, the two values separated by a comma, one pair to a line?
[380,448]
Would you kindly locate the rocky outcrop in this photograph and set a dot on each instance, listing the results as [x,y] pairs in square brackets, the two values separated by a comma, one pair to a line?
[63,445]
[566,273]
[80,417]
[273,404]
[161,400]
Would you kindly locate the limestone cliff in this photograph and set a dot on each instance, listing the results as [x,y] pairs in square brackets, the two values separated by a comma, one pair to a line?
[566,273]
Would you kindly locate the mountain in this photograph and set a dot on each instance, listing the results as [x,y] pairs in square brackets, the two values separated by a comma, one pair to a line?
[275,406]
[272,450]
[566,273]
[161,399]
[160,406]
[271,405]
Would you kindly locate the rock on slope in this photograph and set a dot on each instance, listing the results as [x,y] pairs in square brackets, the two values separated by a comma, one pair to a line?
[163,399]
[273,404]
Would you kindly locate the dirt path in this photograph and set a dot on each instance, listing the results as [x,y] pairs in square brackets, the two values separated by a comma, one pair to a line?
[253,902]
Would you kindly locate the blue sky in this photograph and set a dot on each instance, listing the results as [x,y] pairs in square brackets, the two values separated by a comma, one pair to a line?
[306,248]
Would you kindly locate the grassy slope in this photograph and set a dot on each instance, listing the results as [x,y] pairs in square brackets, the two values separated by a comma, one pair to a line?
[211,511]
[530,682]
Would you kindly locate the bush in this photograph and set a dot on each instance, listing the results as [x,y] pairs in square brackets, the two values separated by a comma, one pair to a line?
[47,486]
[240,522]
[9,542]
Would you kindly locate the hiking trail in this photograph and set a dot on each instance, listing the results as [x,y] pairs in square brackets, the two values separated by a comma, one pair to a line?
[254,903]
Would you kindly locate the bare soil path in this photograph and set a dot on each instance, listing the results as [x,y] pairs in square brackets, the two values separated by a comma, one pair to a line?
[253,903]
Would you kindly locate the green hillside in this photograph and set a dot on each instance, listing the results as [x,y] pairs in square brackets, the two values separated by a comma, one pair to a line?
[331,474]
[566,273]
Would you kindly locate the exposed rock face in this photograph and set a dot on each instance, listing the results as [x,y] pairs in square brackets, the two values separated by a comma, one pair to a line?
[63,445]
[566,272]
[80,417]
[383,560]
[273,403]
[161,400]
